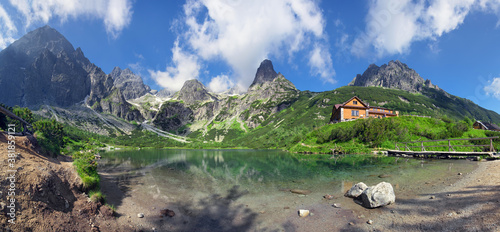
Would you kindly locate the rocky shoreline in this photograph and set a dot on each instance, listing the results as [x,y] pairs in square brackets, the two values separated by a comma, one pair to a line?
[470,204]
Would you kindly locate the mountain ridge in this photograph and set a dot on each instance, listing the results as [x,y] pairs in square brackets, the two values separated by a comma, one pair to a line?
[43,68]
[131,85]
[270,103]
[394,75]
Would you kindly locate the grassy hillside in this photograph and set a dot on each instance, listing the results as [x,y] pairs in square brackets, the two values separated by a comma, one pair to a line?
[310,111]
[362,136]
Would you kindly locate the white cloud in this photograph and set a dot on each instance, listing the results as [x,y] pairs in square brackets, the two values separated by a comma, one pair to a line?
[116,14]
[390,27]
[393,25]
[321,64]
[185,68]
[7,28]
[493,88]
[243,33]
[445,15]
[220,84]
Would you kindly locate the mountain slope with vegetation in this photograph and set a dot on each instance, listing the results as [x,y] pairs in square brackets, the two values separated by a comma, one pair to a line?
[272,113]
[361,136]
[313,110]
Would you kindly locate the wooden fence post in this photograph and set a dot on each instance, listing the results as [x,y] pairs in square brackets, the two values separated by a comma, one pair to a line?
[423,148]
[449,146]
[492,149]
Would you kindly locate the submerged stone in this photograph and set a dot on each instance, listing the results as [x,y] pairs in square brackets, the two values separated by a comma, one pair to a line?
[300,191]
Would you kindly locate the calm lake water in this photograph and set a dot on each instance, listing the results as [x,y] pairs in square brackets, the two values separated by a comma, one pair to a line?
[248,189]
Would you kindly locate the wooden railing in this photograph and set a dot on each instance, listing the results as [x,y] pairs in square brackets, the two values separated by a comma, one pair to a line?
[449,145]
[27,126]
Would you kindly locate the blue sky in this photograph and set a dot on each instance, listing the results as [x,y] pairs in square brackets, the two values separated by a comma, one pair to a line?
[318,45]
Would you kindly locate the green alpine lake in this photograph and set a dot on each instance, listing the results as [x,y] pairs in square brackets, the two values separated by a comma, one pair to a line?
[256,184]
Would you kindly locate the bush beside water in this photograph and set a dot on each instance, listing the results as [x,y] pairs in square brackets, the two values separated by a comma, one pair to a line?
[361,136]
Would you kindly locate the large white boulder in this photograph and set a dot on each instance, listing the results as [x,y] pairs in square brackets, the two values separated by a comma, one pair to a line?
[379,195]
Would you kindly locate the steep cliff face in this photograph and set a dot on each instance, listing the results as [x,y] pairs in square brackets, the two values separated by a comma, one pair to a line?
[116,104]
[105,97]
[42,68]
[101,87]
[394,75]
[130,84]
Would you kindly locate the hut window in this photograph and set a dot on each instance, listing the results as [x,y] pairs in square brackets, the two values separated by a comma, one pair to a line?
[355,102]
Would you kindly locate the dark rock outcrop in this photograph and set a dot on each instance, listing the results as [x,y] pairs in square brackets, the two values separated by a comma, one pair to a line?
[172,116]
[130,84]
[394,75]
[265,73]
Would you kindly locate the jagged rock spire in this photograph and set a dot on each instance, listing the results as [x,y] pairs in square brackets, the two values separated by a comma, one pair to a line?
[265,73]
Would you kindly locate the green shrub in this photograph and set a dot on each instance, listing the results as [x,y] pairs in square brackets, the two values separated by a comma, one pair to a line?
[112,207]
[86,167]
[50,135]
[97,196]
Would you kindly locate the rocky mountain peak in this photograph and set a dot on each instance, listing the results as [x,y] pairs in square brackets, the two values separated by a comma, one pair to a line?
[265,73]
[394,75]
[43,38]
[116,72]
[42,67]
[130,84]
[193,91]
